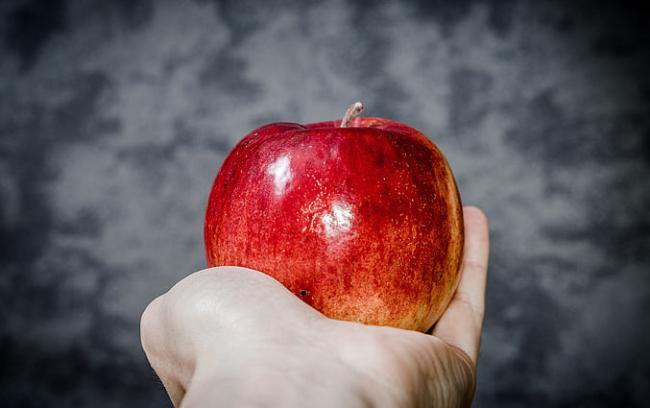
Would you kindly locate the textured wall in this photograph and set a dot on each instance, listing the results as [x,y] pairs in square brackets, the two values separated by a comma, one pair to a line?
[115,116]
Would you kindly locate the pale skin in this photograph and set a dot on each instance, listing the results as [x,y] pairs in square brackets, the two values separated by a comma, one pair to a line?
[234,337]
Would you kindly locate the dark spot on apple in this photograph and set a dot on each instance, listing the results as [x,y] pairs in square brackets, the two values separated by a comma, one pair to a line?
[303,292]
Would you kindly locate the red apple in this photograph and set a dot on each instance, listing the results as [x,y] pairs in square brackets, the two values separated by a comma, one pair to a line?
[360,218]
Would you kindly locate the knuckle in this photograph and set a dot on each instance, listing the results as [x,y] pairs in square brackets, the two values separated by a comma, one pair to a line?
[149,322]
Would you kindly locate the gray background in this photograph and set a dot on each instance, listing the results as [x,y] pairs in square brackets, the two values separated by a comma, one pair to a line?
[115,116]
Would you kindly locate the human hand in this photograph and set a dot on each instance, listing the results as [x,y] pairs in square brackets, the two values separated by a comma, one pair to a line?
[235,337]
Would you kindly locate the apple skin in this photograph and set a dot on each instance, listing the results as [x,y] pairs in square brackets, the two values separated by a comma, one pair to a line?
[363,223]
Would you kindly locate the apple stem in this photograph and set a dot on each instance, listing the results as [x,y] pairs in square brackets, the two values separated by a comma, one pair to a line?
[353,110]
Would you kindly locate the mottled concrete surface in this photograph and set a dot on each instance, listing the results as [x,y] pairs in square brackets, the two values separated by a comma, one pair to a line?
[115,116]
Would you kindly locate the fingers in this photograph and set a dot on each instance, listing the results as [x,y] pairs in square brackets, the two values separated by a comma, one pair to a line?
[224,306]
[461,324]
[215,316]
[153,338]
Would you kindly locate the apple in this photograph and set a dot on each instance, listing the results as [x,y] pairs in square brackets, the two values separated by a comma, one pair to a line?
[360,218]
